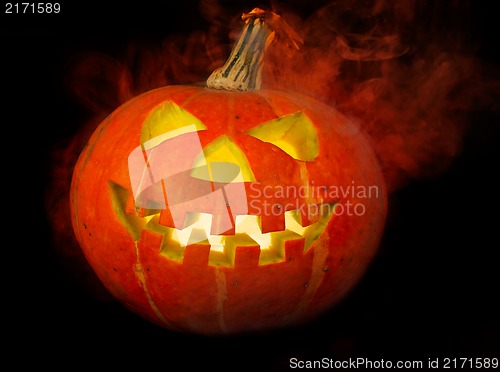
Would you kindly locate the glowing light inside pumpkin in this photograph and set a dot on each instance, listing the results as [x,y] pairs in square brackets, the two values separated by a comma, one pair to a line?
[200,224]
[197,227]
[203,221]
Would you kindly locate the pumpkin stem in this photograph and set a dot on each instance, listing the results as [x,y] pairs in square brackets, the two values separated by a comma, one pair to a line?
[242,70]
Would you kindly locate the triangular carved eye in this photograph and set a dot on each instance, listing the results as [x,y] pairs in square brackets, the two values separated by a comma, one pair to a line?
[294,133]
[165,121]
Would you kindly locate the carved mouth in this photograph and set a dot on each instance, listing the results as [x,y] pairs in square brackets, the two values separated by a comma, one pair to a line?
[223,249]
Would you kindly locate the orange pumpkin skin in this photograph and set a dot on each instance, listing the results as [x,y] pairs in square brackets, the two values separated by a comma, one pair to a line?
[191,295]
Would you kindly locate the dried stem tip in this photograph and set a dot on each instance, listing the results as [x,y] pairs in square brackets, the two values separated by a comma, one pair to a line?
[242,70]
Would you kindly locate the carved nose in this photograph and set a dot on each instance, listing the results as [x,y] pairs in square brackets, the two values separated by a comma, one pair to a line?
[222,161]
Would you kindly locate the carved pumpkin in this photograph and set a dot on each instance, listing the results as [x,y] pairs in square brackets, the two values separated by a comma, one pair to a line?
[228,208]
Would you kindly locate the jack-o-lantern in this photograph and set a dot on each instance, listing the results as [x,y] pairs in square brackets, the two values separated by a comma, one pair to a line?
[228,208]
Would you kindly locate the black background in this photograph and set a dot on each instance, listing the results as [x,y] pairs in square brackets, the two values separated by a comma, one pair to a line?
[432,291]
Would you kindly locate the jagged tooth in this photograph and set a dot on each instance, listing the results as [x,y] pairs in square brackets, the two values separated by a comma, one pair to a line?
[273,222]
[196,255]
[241,250]
[294,247]
[166,218]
